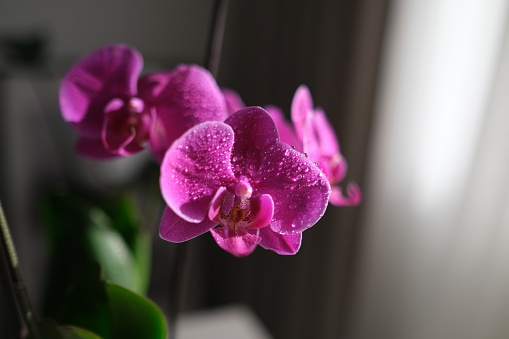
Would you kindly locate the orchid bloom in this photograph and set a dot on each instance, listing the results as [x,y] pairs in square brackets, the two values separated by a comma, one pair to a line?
[117,114]
[319,141]
[312,134]
[238,181]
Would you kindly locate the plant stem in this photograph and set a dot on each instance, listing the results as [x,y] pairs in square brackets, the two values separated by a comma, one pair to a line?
[215,46]
[14,273]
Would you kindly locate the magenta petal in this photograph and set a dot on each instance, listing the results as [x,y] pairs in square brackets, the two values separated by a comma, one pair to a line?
[353,196]
[238,245]
[222,200]
[195,167]
[262,208]
[183,98]
[300,190]
[280,243]
[302,106]
[285,129]
[325,133]
[254,131]
[175,229]
[233,100]
[109,72]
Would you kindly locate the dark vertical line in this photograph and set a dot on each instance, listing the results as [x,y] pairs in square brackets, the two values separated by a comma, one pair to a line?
[216,35]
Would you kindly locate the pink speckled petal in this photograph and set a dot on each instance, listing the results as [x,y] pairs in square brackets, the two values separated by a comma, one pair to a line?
[233,101]
[302,106]
[109,72]
[182,98]
[280,243]
[353,195]
[175,229]
[195,167]
[254,131]
[285,129]
[300,190]
[239,245]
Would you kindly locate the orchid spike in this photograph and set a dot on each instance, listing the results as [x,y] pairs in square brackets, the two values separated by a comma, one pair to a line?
[117,114]
[238,176]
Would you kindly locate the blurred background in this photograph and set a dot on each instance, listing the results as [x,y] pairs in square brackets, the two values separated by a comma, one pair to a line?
[417,91]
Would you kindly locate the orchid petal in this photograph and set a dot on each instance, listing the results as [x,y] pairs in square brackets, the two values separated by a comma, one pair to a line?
[353,196]
[233,101]
[286,131]
[195,167]
[238,245]
[262,210]
[254,131]
[300,190]
[109,72]
[325,133]
[302,106]
[280,243]
[175,229]
[183,98]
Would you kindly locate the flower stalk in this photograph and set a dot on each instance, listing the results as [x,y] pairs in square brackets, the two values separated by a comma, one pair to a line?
[14,273]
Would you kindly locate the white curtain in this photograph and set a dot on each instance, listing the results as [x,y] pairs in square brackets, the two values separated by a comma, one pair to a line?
[435,258]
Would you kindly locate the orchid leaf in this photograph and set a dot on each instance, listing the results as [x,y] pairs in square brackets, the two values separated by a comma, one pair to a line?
[112,311]
[134,316]
[82,230]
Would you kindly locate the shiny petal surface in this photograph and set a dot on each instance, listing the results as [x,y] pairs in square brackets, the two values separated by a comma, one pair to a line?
[353,196]
[255,131]
[195,167]
[300,190]
[109,72]
[302,106]
[280,243]
[175,229]
[233,101]
[239,245]
[182,99]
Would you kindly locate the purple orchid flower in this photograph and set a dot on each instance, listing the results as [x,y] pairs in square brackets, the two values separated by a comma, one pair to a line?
[117,114]
[312,134]
[239,176]
[319,141]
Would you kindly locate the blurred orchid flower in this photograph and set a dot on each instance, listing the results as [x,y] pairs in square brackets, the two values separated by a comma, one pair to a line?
[117,114]
[238,175]
[319,141]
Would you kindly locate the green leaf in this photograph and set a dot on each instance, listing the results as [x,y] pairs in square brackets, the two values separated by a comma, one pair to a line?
[87,304]
[134,316]
[111,311]
[109,249]
[81,230]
